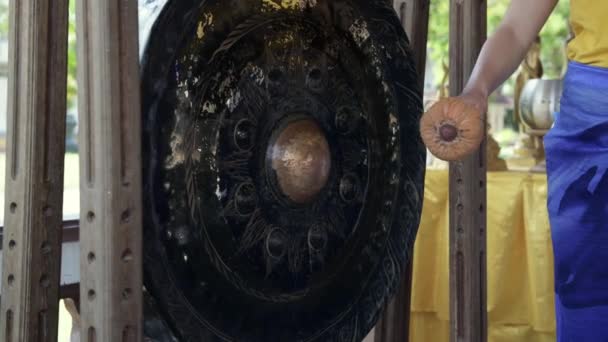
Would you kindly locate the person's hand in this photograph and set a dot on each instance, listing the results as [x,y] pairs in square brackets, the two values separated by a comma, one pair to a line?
[453,128]
[475,99]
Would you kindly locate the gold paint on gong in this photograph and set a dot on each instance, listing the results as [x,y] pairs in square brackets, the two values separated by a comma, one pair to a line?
[204,25]
[288,4]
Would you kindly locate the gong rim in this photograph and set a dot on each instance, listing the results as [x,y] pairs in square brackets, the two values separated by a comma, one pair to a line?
[358,316]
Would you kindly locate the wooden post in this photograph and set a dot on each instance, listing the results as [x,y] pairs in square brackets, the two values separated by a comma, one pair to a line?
[34,170]
[393,326]
[467,189]
[110,170]
[394,323]
[414,16]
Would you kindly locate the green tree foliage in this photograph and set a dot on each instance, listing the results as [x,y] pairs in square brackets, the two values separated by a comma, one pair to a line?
[3,19]
[553,34]
[4,22]
[553,40]
[72,59]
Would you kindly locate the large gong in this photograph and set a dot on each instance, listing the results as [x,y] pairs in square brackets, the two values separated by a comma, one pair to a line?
[283,167]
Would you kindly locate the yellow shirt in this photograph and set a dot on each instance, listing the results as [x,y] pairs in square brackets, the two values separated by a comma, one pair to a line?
[589,22]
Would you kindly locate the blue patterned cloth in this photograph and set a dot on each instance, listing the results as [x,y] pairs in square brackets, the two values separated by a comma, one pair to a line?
[577,164]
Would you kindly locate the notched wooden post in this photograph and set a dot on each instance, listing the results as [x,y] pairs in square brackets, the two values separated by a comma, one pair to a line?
[34,170]
[467,189]
[110,164]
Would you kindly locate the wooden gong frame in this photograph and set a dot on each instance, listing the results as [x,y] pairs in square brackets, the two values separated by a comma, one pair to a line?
[110,238]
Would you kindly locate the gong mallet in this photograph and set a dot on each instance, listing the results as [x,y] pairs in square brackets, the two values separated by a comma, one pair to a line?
[452,129]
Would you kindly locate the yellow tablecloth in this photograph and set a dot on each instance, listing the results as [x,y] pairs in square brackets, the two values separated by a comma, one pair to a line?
[520,262]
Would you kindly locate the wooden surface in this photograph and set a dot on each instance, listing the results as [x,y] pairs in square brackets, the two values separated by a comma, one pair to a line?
[393,325]
[34,177]
[468,321]
[414,15]
[110,170]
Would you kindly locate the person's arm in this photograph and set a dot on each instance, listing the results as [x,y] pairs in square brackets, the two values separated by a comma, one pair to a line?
[503,52]
[453,128]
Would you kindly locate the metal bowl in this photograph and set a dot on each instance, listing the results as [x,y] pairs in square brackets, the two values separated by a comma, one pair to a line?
[540,100]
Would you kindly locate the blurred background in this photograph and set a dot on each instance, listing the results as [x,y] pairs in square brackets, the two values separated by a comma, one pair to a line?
[515,144]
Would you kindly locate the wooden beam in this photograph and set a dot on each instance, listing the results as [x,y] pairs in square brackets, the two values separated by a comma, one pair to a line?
[394,323]
[467,189]
[34,170]
[393,326]
[69,232]
[414,15]
[110,170]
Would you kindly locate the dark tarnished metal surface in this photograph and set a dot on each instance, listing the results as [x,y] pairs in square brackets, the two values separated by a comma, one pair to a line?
[283,167]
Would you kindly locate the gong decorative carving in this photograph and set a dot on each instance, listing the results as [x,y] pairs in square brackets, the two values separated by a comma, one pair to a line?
[283,167]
